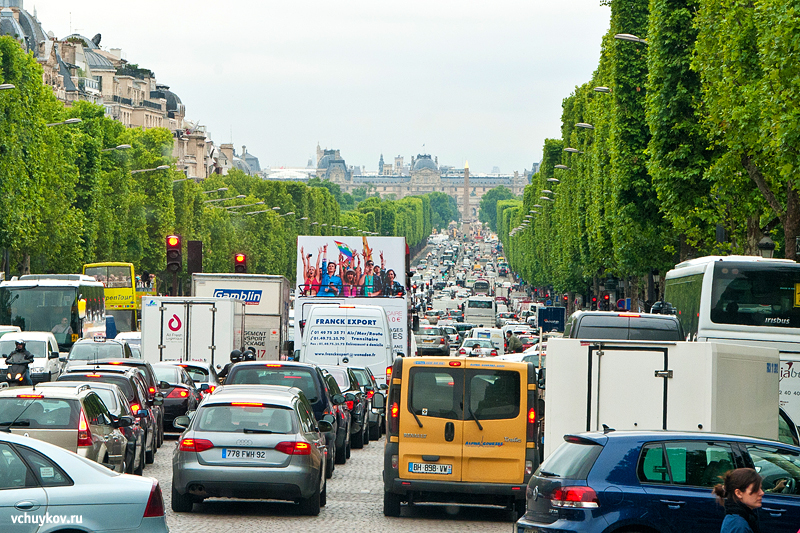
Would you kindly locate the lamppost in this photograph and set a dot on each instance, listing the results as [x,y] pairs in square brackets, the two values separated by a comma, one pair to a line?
[223,199]
[160,167]
[118,147]
[68,121]
[766,247]
[221,189]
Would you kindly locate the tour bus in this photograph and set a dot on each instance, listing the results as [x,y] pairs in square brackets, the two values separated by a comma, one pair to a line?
[71,306]
[123,292]
[481,287]
[743,300]
[480,310]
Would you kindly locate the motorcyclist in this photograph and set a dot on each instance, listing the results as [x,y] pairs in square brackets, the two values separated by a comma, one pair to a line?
[18,362]
[249,355]
[236,356]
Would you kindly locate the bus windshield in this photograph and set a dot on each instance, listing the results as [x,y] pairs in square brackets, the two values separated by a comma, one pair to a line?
[480,304]
[41,309]
[756,295]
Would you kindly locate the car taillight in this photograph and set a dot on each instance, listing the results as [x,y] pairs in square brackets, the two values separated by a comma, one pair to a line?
[531,425]
[294,448]
[349,404]
[178,392]
[441,341]
[135,408]
[462,351]
[152,390]
[155,504]
[195,445]
[494,352]
[394,418]
[84,433]
[370,394]
[388,374]
[211,389]
[574,497]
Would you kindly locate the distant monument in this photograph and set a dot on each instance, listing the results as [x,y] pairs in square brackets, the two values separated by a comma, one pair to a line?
[465,216]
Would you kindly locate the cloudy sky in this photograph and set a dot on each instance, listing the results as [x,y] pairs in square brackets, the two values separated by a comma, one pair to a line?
[470,80]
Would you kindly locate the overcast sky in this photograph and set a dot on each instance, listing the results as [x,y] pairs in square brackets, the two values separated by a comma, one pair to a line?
[480,81]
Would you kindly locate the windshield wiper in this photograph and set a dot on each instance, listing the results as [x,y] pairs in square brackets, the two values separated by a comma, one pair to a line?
[16,423]
[252,430]
[416,417]
[475,418]
[545,473]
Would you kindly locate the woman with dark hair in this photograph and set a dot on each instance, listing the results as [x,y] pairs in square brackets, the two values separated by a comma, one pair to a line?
[740,493]
[392,287]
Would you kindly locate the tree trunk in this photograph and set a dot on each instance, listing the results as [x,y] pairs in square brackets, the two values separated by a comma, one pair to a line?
[791,223]
[26,264]
[753,236]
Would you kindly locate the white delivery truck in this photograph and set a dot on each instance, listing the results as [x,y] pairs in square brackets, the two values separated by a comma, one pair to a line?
[266,297]
[682,386]
[191,329]
[345,334]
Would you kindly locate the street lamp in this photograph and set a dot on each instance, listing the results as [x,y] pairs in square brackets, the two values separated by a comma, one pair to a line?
[572,150]
[584,125]
[547,191]
[629,37]
[243,205]
[537,205]
[766,247]
[221,189]
[118,147]
[286,214]
[562,167]
[160,167]
[223,199]
[68,121]
[305,218]
[6,86]
[554,180]
[602,90]
[546,198]
[276,208]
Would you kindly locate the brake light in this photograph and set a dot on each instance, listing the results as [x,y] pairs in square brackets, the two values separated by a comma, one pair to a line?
[455,363]
[211,389]
[462,351]
[531,415]
[84,433]
[395,410]
[115,363]
[574,497]
[178,393]
[370,394]
[195,445]
[152,390]
[494,352]
[92,375]
[630,315]
[441,341]
[294,448]
[273,365]
[388,373]
[349,404]
[135,407]
[155,503]
[29,396]
[247,404]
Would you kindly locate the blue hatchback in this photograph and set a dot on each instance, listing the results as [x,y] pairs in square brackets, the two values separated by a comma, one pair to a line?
[656,481]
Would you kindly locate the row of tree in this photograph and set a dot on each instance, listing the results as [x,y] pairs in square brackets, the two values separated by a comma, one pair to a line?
[71,198]
[683,144]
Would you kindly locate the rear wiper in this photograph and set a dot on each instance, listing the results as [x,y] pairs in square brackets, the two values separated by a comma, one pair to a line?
[475,418]
[545,473]
[416,417]
[16,423]
[252,430]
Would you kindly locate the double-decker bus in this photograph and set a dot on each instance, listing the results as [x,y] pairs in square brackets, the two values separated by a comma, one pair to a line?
[71,306]
[123,291]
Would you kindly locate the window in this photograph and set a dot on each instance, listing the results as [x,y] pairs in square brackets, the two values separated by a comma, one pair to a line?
[755,295]
[45,413]
[699,464]
[493,394]
[282,376]
[653,465]
[306,420]
[436,393]
[14,474]
[780,469]
[47,472]
[236,418]
[571,460]
[95,410]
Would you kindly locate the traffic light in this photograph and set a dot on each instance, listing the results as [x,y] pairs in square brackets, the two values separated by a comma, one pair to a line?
[566,298]
[594,303]
[174,254]
[240,263]
[606,302]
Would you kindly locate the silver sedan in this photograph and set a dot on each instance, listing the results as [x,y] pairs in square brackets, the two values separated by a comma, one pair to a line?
[252,442]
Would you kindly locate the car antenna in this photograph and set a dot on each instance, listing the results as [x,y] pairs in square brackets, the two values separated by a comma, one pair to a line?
[607,430]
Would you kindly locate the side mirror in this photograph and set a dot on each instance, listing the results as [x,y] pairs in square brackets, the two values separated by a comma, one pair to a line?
[181,422]
[82,308]
[123,422]
[324,426]
[350,397]
[330,419]
[204,387]
[379,401]
[158,399]
[401,354]
[219,367]
[338,399]
[60,359]
[143,413]
[163,385]
[53,355]
[383,386]
[542,373]
[297,355]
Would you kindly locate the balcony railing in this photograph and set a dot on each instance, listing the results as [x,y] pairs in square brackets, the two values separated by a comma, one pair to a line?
[88,85]
[151,105]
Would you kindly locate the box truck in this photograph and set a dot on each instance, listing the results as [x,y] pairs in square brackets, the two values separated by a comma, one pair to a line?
[683,386]
[266,301]
[191,329]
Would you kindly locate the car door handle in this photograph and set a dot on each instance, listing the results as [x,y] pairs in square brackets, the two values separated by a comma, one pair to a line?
[26,505]
[774,512]
[671,504]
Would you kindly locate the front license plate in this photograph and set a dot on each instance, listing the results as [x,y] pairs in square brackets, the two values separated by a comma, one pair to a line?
[429,468]
[237,453]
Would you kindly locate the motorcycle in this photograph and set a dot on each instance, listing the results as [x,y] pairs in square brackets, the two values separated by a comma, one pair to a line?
[15,373]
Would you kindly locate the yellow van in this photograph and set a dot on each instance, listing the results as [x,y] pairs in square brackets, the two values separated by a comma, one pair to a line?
[460,430]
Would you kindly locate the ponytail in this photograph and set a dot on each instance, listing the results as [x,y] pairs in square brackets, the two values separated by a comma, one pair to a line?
[740,479]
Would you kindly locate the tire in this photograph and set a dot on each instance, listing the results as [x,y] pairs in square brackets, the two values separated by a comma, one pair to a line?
[375,431]
[519,509]
[181,503]
[329,465]
[139,470]
[347,451]
[366,433]
[310,506]
[323,496]
[391,504]
[150,455]
[358,440]
[341,456]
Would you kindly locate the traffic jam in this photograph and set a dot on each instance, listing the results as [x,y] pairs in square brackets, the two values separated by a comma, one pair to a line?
[462,397]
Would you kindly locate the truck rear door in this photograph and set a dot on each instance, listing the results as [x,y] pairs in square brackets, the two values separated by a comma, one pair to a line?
[495,423]
[431,420]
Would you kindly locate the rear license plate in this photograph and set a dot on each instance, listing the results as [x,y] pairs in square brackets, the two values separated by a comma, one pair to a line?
[429,341]
[429,468]
[237,453]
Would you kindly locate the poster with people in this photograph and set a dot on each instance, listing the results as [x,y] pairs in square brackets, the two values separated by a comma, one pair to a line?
[351,267]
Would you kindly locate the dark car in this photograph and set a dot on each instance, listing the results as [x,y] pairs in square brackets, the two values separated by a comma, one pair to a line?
[309,379]
[432,340]
[656,481]
[132,386]
[345,420]
[369,385]
[612,325]
[356,401]
[182,395]
[152,388]
[456,314]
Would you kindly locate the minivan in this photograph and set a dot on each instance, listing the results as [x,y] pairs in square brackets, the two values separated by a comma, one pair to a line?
[460,430]
[610,325]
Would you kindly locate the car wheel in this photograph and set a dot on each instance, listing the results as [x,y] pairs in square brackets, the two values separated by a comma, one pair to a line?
[375,431]
[366,431]
[323,496]
[358,440]
[347,451]
[310,506]
[519,509]
[391,504]
[139,470]
[341,455]
[181,503]
[150,455]
[329,466]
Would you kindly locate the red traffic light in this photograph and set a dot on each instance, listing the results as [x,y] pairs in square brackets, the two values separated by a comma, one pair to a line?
[240,258]
[173,240]
[606,297]
[240,263]
[174,255]
[594,299]
[566,297]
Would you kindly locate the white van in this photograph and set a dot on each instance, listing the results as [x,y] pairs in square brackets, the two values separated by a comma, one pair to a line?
[42,344]
[357,335]
[493,334]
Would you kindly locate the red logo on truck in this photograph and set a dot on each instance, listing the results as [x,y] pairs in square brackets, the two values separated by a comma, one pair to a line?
[177,323]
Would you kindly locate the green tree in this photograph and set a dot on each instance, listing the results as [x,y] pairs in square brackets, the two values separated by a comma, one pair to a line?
[488,205]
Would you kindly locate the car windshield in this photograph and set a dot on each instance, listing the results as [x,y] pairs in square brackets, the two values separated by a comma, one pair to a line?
[118,380]
[137,353]
[284,376]
[39,413]
[429,331]
[109,398]
[197,374]
[38,309]
[340,376]
[484,343]
[362,377]
[166,373]
[241,416]
[37,348]
[93,351]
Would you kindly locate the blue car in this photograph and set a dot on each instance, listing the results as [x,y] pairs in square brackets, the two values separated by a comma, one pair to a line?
[656,481]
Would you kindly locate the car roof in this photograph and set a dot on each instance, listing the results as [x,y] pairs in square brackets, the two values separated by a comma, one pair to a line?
[274,364]
[643,436]
[196,364]
[68,392]
[76,384]
[625,314]
[105,369]
[253,393]
[30,335]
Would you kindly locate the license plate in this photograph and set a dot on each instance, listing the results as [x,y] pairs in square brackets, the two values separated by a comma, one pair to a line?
[429,468]
[237,453]
[428,341]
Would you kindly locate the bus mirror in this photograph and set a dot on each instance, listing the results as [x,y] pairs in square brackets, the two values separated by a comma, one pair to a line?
[82,308]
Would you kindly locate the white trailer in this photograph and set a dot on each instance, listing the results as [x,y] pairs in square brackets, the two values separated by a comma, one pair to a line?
[191,329]
[266,311]
[683,386]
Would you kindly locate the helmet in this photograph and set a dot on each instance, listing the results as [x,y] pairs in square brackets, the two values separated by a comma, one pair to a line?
[20,341]
[236,356]
[248,355]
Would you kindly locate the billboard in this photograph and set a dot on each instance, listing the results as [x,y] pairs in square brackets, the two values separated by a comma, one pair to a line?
[337,267]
